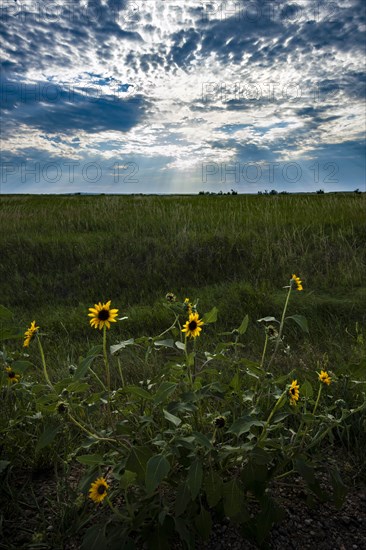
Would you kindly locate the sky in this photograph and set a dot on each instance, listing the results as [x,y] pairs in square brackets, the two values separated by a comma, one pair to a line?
[182,96]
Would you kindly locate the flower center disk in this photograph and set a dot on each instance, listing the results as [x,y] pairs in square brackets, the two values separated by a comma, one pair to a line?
[103,315]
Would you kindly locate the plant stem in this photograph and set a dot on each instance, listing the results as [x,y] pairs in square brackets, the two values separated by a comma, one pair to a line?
[115,511]
[277,404]
[121,373]
[285,474]
[91,434]
[314,411]
[106,361]
[281,324]
[318,397]
[194,359]
[168,329]
[97,377]
[236,346]
[264,351]
[187,361]
[44,363]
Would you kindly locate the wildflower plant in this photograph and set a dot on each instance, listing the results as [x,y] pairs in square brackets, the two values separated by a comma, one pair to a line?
[164,453]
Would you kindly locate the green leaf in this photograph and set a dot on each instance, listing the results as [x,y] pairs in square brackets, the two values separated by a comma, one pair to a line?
[308,418]
[301,321]
[259,456]
[127,479]
[137,461]
[339,489]
[210,316]
[90,460]
[202,440]
[194,478]
[203,523]
[159,539]
[185,535]
[243,425]
[213,487]
[244,325]
[190,359]
[235,382]
[180,406]
[3,465]
[169,343]
[138,392]
[270,513]
[180,345]
[157,469]
[21,366]
[253,369]
[254,477]
[183,497]
[121,345]
[78,387]
[84,366]
[307,390]
[233,497]
[171,418]
[48,435]
[307,473]
[164,391]
[305,470]
[278,416]
[95,539]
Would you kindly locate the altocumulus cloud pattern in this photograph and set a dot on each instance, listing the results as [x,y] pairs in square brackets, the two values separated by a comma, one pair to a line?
[164,96]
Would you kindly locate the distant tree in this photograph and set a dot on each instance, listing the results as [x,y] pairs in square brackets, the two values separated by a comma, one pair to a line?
[320,192]
[273,192]
[201,193]
[233,192]
[284,192]
[357,191]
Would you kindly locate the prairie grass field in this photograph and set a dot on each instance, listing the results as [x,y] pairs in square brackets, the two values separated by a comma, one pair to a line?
[60,254]
[143,435]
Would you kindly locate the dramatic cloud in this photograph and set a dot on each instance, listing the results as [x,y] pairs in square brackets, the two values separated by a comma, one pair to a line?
[172,96]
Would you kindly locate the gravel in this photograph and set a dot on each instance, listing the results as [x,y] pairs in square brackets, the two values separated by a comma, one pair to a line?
[320,527]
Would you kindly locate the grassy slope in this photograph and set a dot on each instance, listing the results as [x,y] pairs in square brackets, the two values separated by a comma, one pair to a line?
[61,254]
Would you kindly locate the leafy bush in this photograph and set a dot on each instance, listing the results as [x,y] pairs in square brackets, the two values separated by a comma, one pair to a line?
[164,454]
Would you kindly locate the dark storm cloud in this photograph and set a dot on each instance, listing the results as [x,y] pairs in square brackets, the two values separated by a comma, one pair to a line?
[52,108]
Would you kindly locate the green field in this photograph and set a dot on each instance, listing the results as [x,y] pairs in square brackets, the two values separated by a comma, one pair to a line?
[60,254]
[150,444]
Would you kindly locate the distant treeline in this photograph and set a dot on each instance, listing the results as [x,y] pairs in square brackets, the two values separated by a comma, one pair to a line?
[273,192]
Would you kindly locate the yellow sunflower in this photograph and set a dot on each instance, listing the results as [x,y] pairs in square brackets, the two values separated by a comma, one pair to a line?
[101,315]
[187,306]
[298,282]
[29,334]
[193,326]
[324,377]
[13,378]
[294,392]
[98,490]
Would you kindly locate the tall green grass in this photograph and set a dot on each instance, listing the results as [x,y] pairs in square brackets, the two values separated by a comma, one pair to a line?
[60,254]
